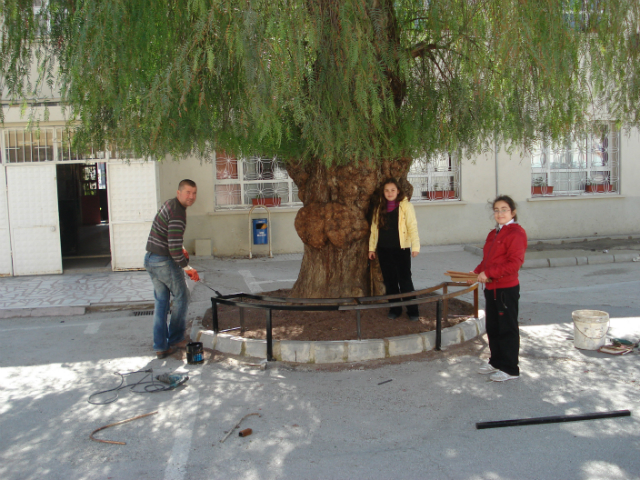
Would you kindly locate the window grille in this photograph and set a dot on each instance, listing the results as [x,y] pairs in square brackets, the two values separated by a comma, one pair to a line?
[44,145]
[242,183]
[437,179]
[586,166]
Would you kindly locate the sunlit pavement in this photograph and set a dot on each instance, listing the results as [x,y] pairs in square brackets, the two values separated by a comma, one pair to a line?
[320,423]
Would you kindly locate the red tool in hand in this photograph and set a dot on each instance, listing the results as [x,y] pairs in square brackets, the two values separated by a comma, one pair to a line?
[185,253]
[193,274]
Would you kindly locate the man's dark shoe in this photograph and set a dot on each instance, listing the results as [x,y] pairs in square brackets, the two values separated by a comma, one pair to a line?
[414,318]
[181,344]
[166,353]
[393,315]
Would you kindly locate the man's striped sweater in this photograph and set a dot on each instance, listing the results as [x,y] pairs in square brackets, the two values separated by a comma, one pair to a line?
[167,231]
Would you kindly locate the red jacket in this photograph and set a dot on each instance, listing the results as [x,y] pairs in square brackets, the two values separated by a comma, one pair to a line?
[503,255]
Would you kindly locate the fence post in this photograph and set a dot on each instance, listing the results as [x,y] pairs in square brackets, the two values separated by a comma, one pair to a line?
[214,315]
[242,321]
[475,302]
[439,325]
[358,323]
[269,337]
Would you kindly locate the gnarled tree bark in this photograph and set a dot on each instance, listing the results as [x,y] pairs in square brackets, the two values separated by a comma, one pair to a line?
[334,225]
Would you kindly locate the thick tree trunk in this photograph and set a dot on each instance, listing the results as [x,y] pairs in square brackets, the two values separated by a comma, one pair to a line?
[334,226]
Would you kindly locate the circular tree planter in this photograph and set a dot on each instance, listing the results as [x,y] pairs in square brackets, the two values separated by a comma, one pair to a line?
[339,351]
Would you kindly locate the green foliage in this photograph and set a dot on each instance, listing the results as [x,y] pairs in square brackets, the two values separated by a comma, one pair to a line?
[334,80]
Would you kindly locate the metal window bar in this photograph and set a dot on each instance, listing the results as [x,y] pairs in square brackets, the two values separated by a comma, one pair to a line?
[257,177]
[570,170]
[342,304]
[436,179]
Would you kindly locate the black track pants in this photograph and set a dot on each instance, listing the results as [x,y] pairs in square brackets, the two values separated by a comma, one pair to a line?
[502,328]
[395,264]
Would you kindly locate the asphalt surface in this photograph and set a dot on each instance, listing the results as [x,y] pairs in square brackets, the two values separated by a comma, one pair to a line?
[327,422]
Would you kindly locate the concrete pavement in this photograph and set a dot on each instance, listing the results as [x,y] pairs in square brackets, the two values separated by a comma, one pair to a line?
[328,422]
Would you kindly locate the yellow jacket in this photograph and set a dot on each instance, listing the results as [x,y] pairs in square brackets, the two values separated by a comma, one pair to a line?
[407,227]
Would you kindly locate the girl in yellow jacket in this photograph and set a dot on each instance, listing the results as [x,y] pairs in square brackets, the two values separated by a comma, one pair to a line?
[394,233]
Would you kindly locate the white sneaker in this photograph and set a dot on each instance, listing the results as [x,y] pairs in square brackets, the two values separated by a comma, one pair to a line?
[501,376]
[486,369]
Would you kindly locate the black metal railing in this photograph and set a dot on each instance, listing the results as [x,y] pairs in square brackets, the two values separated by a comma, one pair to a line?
[356,304]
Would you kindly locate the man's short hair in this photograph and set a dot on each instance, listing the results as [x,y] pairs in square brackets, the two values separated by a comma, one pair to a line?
[186,183]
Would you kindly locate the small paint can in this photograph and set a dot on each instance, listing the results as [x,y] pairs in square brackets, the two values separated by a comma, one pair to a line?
[245,433]
[194,353]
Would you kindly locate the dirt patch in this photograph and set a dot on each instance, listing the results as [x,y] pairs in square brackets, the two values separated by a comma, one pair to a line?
[334,325]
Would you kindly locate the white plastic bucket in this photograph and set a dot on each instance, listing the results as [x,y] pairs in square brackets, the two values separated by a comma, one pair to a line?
[589,328]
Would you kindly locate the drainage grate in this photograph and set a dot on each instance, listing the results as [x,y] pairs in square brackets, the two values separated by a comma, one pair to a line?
[141,313]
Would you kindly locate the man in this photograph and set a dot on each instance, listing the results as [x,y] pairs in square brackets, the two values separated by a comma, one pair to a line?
[165,261]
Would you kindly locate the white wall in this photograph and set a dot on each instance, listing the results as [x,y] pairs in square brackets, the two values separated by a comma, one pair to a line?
[440,223]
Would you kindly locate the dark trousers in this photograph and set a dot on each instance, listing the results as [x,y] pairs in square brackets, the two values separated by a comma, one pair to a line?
[502,328]
[395,264]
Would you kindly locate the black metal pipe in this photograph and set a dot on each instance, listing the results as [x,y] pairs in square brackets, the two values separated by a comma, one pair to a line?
[439,325]
[269,338]
[555,419]
[214,315]
[358,324]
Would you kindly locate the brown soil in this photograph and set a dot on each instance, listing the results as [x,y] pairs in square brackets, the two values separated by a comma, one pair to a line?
[334,325]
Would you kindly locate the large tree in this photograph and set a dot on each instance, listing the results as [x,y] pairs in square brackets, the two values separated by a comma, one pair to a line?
[346,92]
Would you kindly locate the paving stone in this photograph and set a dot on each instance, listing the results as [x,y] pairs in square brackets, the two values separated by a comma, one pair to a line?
[582,260]
[599,259]
[229,343]
[15,312]
[208,339]
[473,249]
[329,352]
[625,257]
[469,329]
[361,350]
[536,263]
[429,339]
[292,351]
[451,336]
[563,262]
[255,348]
[405,345]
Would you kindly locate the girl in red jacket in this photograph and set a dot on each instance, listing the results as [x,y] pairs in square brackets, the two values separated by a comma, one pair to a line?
[503,256]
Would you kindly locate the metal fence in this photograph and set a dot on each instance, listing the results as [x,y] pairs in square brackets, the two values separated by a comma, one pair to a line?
[356,304]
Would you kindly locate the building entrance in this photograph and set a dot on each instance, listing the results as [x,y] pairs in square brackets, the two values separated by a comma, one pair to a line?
[84,216]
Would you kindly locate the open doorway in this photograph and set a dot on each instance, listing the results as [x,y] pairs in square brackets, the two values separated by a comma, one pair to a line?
[84,217]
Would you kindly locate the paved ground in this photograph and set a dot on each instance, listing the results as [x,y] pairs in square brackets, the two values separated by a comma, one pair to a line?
[330,423]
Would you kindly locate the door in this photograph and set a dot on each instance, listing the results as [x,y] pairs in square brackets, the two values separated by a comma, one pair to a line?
[5,237]
[32,194]
[133,203]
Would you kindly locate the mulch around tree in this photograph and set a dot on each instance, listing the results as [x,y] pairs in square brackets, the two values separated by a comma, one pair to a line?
[334,325]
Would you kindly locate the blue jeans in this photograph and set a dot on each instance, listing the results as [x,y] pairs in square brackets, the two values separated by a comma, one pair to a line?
[168,278]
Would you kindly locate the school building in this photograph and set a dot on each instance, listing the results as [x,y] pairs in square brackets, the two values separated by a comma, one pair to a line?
[60,209]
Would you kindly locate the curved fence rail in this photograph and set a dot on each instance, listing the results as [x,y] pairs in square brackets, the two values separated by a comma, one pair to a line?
[356,304]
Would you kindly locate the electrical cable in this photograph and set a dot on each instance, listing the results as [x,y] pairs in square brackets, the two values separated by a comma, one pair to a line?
[151,386]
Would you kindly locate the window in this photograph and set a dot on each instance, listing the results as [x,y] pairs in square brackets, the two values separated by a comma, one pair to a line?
[44,145]
[587,166]
[253,181]
[435,180]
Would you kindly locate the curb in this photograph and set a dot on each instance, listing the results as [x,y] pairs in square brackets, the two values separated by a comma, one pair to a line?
[568,261]
[64,311]
[340,351]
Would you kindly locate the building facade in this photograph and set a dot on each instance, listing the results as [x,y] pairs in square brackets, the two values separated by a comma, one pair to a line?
[57,205]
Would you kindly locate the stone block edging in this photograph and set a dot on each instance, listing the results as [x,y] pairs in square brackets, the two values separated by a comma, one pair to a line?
[341,351]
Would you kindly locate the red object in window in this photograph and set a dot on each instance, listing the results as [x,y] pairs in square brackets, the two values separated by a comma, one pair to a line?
[267,202]
[598,188]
